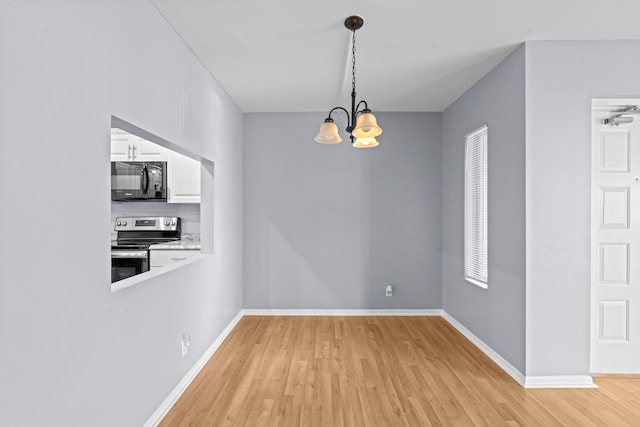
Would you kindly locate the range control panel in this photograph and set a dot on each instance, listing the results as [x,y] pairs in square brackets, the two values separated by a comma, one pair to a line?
[156,223]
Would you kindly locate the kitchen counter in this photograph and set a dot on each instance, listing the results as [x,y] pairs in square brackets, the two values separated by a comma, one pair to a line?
[185,245]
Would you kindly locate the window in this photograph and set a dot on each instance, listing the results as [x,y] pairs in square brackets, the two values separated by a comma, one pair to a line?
[475,207]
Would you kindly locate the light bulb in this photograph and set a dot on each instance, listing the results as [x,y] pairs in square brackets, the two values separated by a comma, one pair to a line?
[367,142]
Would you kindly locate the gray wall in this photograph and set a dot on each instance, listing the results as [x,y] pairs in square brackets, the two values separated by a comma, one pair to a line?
[562,79]
[495,315]
[72,353]
[329,226]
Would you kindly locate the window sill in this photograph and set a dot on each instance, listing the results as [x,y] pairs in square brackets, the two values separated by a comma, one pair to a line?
[477,283]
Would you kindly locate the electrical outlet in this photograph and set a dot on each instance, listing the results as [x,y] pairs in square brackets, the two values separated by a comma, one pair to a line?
[388,291]
[186,342]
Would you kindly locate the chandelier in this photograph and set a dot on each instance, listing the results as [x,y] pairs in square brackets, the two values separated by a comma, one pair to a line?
[362,125]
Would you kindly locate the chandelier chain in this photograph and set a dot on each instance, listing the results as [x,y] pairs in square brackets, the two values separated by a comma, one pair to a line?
[353,59]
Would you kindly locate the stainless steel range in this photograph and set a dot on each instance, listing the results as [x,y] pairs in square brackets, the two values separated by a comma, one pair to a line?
[130,252]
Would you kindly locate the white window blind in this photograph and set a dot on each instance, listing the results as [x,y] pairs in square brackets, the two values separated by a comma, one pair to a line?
[475,207]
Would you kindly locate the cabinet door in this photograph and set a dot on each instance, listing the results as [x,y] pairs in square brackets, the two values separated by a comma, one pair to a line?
[183,179]
[149,152]
[121,150]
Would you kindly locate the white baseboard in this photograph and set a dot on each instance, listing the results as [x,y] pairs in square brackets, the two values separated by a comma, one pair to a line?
[175,394]
[354,312]
[559,381]
[493,355]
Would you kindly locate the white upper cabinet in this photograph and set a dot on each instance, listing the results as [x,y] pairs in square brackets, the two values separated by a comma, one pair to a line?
[183,179]
[130,148]
[120,146]
[150,152]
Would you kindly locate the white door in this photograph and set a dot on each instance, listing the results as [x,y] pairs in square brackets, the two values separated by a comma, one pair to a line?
[615,251]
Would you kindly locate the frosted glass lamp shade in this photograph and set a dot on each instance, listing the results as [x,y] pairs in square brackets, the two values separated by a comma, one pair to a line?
[328,133]
[366,126]
[366,143]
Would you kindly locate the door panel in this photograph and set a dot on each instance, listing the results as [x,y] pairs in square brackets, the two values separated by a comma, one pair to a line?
[614,150]
[615,207]
[614,325]
[614,264]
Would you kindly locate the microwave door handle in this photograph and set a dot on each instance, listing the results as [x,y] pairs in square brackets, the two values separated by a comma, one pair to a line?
[144,183]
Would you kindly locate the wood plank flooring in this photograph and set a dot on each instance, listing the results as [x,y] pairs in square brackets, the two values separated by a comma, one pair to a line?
[379,371]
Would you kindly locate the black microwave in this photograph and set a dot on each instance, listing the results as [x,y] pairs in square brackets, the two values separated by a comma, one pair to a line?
[139,181]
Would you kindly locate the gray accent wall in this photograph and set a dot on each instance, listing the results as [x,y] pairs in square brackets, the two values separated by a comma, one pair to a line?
[72,353]
[328,226]
[495,315]
[562,79]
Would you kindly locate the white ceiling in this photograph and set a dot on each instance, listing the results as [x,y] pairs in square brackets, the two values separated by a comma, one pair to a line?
[412,55]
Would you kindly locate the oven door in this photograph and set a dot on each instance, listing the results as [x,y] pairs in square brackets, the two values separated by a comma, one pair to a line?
[138,181]
[128,262]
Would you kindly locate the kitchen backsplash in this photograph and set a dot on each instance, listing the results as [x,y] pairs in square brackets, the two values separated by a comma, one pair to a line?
[189,212]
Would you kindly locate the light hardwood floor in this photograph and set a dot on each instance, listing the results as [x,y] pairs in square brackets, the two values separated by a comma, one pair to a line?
[379,371]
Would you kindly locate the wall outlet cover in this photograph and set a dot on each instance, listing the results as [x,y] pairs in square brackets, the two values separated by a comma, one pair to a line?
[185,343]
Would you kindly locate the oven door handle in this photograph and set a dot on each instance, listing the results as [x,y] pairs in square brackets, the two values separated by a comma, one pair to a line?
[144,183]
[129,255]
